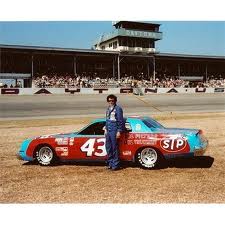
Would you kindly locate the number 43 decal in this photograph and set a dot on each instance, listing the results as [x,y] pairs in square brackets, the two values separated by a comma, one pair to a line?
[88,147]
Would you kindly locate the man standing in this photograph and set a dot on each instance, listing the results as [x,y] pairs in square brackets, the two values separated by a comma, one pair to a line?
[113,129]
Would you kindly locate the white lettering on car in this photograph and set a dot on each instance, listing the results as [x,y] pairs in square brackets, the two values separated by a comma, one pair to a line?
[62,141]
[90,150]
[63,151]
[166,144]
[173,144]
[101,148]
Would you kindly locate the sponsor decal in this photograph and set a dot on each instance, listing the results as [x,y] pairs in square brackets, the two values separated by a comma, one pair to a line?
[100,90]
[113,115]
[138,127]
[72,90]
[141,139]
[42,91]
[173,144]
[218,90]
[126,90]
[62,141]
[90,150]
[71,141]
[137,136]
[142,136]
[131,136]
[145,142]
[141,142]
[173,90]
[9,91]
[151,90]
[126,152]
[200,89]
[63,150]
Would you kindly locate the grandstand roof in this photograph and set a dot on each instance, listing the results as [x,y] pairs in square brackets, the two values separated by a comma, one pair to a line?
[136,25]
[57,49]
[107,52]
[189,56]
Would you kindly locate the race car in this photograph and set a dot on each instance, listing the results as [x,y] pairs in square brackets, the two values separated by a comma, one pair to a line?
[144,141]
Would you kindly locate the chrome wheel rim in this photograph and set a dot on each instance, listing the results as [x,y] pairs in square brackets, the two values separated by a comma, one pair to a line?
[148,156]
[45,154]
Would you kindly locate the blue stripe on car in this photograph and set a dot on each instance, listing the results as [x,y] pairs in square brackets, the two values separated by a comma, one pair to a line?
[196,143]
[192,141]
[23,150]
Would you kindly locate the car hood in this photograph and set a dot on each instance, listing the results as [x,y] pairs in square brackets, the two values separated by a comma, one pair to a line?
[177,131]
[60,135]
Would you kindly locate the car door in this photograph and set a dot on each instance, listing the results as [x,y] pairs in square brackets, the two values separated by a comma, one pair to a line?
[89,143]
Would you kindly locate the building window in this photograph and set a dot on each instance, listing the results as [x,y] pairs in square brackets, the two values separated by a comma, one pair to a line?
[131,43]
[103,47]
[120,42]
[114,44]
[110,45]
[123,42]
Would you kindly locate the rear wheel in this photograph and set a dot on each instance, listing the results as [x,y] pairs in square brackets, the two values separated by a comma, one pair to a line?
[45,155]
[149,158]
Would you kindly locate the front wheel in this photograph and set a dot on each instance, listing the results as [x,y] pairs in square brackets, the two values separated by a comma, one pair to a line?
[149,158]
[45,156]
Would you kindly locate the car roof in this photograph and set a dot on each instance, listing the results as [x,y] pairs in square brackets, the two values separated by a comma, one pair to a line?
[125,118]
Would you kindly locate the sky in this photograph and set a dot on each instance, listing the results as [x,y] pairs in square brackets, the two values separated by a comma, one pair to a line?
[183,37]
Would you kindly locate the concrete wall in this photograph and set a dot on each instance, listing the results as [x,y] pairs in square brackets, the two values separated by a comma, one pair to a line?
[136,91]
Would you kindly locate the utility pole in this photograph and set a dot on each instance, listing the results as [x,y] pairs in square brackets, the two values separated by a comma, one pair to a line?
[153,68]
[118,64]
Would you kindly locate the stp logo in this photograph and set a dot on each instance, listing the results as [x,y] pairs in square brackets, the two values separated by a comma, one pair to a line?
[173,144]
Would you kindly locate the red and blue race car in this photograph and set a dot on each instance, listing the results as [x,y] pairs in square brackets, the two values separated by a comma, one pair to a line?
[145,142]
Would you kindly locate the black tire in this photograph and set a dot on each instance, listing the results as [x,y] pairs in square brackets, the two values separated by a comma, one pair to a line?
[149,158]
[45,155]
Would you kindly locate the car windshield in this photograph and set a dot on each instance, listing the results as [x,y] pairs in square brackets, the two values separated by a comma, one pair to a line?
[152,123]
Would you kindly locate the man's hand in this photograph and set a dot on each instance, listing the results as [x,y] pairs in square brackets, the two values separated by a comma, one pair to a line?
[118,134]
[105,131]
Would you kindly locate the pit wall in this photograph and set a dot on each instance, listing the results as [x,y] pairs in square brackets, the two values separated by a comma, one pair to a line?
[136,91]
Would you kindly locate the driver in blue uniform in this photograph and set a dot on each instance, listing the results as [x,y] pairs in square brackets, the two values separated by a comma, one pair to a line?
[113,129]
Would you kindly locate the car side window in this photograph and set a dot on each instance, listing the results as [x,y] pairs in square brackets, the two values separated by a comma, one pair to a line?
[94,129]
[128,127]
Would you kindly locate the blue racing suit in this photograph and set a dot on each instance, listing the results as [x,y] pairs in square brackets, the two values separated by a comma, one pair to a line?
[114,124]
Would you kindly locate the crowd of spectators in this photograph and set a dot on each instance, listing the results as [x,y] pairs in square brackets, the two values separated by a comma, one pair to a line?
[70,81]
[11,85]
[84,81]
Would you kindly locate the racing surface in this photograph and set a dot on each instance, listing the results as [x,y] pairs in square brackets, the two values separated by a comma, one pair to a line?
[199,180]
[55,106]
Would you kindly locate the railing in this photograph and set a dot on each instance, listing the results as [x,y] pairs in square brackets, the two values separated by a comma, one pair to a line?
[135,49]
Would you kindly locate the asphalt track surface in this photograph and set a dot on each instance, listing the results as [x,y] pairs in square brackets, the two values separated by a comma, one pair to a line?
[63,106]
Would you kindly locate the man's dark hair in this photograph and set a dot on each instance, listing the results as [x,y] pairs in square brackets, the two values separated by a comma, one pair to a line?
[111,97]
